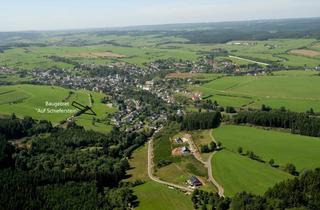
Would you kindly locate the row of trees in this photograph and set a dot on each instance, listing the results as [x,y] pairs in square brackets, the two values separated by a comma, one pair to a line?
[202,120]
[299,123]
[289,168]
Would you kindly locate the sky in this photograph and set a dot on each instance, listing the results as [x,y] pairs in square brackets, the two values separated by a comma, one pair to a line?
[20,15]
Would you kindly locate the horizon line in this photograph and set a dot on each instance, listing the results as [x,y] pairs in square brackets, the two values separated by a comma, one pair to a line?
[152,25]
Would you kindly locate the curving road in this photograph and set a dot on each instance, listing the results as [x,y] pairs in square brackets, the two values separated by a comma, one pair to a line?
[156,179]
[196,154]
[209,166]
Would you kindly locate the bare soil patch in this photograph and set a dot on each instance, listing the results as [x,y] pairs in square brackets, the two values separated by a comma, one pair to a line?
[308,53]
[181,75]
[176,152]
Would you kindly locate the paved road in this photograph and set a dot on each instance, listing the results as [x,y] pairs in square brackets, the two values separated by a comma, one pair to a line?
[209,166]
[156,179]
[244,59]
[207,163]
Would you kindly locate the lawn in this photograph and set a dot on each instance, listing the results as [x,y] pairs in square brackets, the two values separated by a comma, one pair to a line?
[302,151]
[29,100]
[237,173]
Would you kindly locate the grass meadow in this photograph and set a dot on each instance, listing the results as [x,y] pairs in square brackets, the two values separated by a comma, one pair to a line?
[302,151]
[296,90]
[237,173]
[140,50]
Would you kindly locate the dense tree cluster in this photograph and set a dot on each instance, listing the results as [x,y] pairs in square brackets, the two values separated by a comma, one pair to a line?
[205,200]
[202,120]
[208,148]
[65,168]
[207,104]
[299,123]
[14,128]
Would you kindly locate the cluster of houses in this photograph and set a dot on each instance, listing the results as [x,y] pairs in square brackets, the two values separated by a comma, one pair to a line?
[114,84]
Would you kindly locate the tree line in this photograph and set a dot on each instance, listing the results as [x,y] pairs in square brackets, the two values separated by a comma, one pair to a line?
[202,120]
[299,123]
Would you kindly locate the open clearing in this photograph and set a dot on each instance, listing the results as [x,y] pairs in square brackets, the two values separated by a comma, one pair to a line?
[308,53]
[30,100]
[296,90]
[302,151]
[237,173]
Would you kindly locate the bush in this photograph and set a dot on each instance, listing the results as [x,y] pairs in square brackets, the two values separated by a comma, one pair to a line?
[291,169]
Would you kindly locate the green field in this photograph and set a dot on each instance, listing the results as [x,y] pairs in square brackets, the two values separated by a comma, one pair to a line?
[29,100]
[139,165]
[237,173]
[147,48]
[154,196]
[276,50]
[296,90]
[302,151]
[39,57]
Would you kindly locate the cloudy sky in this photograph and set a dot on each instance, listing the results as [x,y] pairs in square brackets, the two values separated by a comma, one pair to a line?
[73,14]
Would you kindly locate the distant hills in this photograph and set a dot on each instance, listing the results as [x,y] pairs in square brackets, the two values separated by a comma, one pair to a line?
[218,32]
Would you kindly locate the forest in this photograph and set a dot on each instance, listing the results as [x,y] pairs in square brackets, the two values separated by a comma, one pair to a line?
[43,167]
[201,120]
